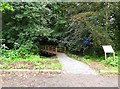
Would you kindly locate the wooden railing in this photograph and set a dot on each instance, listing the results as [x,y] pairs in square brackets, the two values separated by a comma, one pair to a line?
[53,49]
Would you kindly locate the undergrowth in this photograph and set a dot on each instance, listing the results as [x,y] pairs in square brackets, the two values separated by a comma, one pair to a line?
[22,59]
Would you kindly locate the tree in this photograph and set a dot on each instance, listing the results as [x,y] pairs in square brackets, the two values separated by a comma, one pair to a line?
[94,20]
[64,24]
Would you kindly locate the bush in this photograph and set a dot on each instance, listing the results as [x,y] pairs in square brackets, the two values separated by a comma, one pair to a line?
[110,61]
[22,52]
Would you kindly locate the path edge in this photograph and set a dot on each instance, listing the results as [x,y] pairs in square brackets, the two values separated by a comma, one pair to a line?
[28,70]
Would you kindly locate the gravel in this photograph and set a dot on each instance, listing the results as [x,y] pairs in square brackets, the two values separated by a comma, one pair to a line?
[73,66]
[35,79]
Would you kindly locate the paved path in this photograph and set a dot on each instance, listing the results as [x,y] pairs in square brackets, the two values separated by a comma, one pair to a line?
[73,66]
[27,79]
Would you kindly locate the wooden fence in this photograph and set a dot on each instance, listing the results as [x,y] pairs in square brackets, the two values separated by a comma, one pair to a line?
[53,49]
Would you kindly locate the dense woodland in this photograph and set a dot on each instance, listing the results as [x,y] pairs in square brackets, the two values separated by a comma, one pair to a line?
[27,25]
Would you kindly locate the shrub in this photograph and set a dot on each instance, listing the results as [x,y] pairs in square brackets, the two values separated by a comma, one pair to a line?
[110,61]
[21,52]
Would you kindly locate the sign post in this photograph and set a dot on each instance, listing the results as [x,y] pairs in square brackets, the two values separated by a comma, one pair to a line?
[108,49]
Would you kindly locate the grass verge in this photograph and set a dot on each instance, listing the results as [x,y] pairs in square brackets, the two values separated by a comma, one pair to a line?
[30,62]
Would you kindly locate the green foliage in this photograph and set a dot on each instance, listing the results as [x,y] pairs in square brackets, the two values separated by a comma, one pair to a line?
[5,6]
[55,66]
[31,24]
[22,59]
[110,61]
[86,59]
[117,26]
[26,24]
[9,55]
[97,24]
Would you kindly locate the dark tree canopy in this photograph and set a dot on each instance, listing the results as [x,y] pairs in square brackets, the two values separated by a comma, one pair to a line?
[33,24]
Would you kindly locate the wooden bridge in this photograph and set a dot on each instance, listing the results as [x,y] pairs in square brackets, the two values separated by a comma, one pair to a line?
[53,49]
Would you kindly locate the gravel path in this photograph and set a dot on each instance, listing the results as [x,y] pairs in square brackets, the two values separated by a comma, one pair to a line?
[73,66]
[27,79]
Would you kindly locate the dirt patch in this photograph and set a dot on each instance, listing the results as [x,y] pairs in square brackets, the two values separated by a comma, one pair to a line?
[97,66]
[32,79]
[1,63]
[22,64]
[50,61]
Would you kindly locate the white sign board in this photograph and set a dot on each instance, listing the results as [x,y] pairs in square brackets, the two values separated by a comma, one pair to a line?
[108,49]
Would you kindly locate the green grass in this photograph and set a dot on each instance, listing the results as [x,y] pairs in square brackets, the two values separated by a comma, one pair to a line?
[30,61]
[22,59]
[99,63]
